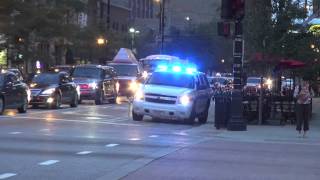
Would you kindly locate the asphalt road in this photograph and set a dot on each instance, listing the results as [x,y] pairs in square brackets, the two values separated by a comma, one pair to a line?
[102,142]
[88,142]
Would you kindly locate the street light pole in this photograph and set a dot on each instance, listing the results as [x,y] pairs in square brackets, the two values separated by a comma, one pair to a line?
[162,22]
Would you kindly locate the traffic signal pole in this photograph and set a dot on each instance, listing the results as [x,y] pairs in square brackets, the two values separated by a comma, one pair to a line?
[237,122]
[233,11]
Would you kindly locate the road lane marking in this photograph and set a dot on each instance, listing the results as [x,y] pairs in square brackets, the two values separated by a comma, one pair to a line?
[93,118]
[7,175]
[134,139]
[49,162]
[80,121]
[13,133]
[84,152]
[153,136]
[112,145]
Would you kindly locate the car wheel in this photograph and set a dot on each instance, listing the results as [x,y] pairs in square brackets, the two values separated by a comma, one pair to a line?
[99,98]
[191,118]
[57,103]
[24,107]
[203,118]
[1,105]
[114,99]
[74,102]
[136,117]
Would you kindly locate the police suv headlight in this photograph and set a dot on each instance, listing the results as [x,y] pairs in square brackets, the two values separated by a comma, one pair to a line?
[93,85]
[48,91]
[185,100]
[139,95]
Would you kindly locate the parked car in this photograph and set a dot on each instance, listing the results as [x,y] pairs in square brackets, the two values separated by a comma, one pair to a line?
[13,93]
[53,89]
[96,83]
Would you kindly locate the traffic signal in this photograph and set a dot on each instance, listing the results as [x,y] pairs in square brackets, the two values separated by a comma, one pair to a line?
[232,9]
[224,29]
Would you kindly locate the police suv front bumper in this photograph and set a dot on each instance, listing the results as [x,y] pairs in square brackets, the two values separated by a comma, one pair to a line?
[162,111]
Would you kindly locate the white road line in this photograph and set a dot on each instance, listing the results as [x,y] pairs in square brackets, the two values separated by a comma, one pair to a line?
[7,175]
[153,136]
[93,118]
[80,121]
[13,133]
[134,139]
[112,145]
[84,152]
[48,163]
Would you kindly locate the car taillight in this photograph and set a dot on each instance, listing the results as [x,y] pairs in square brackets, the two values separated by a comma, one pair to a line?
[84,86]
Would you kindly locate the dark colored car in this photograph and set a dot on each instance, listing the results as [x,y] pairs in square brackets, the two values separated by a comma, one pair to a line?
[62,68]
[96,83]
[129,76]
[53,89]
[13,93]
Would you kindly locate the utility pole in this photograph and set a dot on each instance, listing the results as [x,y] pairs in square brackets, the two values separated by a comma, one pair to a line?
[108,14]
[162,24]
[233,11]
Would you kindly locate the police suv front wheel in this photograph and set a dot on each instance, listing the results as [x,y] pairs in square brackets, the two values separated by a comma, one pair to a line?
[136,117]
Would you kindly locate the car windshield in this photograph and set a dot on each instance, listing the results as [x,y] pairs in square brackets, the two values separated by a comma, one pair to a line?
[254,80]
[46,78]
[172,79]
[86,72]
[125,70]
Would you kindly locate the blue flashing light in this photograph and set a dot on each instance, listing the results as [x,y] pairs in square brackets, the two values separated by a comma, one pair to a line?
[176,69]
[191,70]
[162,68]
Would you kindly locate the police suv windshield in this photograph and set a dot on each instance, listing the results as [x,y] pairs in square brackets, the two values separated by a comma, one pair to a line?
[171,79]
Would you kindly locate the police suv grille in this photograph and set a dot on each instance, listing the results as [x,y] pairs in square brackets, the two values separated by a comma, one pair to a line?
[161,99]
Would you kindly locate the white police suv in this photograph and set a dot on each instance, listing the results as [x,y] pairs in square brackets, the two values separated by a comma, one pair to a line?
[174,92]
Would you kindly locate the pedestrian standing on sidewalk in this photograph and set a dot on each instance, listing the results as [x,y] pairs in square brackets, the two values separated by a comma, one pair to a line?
[303,94]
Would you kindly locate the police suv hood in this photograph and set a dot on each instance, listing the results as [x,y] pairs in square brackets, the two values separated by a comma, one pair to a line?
[81,80]
[166,90]
[127,78]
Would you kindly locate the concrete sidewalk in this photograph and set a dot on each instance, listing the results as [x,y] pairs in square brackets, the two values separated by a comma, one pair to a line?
[261,152]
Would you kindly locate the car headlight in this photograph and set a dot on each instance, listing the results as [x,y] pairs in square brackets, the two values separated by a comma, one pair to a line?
[93,85]
[185,100]
[139,95]
[133,86]
[49,91]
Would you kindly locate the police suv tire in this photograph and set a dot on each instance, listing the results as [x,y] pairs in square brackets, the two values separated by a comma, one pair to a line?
[99,98]
[136,117]
[192,117]
[203,118]
[74,102]
[23,108]
[1,105]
